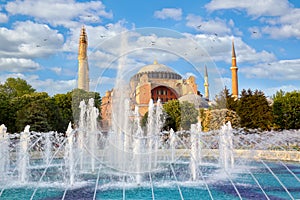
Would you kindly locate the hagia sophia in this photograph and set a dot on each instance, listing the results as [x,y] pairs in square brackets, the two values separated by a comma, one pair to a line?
[154,81]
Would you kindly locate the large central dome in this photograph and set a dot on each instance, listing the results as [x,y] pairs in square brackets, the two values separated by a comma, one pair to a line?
[156,67]
[157,71]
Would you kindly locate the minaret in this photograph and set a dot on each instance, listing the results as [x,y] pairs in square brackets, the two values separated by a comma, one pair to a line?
[206,92]
[83,66]
[234,75]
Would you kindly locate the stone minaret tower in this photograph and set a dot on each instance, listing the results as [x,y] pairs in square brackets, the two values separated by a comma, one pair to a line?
[206,92]
[234,75]
[83,66]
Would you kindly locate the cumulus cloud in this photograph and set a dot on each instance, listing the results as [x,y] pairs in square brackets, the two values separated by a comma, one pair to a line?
[96,35]
[259,8]
[188,74]
[59,12]
[18,65]
[216,26]
[277,70]
[255,32]
[283,31]
[29,40]
[50,86]
[222,82]
[286,88]
[3,18]
[219,49]
[169,13]
[56,70]
[279,17]
[143,48]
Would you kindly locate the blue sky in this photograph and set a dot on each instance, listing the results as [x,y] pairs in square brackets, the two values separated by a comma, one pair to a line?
[39,41]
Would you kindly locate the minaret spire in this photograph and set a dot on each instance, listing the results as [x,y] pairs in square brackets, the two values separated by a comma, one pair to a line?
[83,67]
[206,92]
[234,75]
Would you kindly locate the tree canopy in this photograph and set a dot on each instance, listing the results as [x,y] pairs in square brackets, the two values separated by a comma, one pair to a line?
[286,109]
[16,87]
[224,100]
[20,105]
[180,115]
[254,110]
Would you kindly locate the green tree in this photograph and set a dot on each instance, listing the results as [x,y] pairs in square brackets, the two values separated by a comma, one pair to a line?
[12,88]
[4,108]
[179,115]
[16,87]
[225,100]
[189,115]
[35,115]
[254,110]
[173,115]
[77,96]
[286,109]
[37,110]
[64,104]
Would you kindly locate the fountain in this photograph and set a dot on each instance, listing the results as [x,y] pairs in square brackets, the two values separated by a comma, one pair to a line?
[224,164]
[23,157]
[226,158]
[4,158]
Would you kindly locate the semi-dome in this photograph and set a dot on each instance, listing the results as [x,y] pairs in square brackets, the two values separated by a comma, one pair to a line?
[195,99]
[158,71]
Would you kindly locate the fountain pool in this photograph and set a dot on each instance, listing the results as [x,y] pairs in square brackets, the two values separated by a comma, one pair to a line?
[216,184]
[132,163]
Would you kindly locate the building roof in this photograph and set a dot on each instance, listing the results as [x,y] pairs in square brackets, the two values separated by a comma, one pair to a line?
[156,67]
[195,99]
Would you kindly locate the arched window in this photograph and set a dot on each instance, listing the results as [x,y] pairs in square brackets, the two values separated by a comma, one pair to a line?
[163,93]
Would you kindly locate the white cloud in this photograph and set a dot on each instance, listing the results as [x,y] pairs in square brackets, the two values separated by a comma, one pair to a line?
[259,8]
[18,65]
[59,12]
[280,17]
[96,35]
[50,86]
[286,88]
[283,31]
[255,32]
[222,82]
[29,40]
[216,26]
[278,70]
[188,74]
[57,70]
[3,18]
[197,49]
[291,17]
[285,26]
[169,13]
[219,49]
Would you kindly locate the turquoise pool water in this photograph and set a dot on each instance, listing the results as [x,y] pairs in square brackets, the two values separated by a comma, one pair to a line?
[248,180]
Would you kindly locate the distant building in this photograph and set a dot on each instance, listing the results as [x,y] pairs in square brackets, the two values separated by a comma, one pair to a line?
[156,81]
